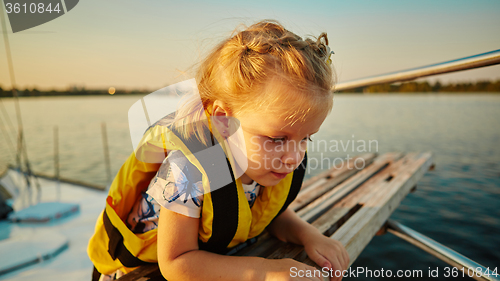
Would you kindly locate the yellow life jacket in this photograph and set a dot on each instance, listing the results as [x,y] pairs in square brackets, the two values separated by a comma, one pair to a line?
[226,218]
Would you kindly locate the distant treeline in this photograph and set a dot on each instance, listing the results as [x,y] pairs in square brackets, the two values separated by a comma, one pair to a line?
[426,87]
[406,87]
[72,92]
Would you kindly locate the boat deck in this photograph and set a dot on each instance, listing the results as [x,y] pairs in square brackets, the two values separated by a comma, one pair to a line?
[349,203]
[54,248]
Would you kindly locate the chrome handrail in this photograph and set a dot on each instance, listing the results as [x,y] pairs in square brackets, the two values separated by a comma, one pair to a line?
[476,61]
[442,252]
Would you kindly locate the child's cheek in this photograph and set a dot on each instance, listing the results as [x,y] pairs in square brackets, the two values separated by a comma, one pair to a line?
[255,162]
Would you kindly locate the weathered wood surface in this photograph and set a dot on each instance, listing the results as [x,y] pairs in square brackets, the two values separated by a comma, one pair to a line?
[347,204]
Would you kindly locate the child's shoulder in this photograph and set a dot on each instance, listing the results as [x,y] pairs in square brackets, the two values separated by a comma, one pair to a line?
[177,166]
[177,181]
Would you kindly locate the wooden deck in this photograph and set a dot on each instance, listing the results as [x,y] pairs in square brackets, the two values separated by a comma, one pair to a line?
[347,204]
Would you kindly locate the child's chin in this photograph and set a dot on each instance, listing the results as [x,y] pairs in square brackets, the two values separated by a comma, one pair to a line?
[268,181]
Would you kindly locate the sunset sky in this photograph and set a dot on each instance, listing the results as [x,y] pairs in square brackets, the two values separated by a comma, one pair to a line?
[151,44]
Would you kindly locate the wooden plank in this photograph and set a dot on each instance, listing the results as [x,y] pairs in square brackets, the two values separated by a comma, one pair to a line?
[380,208]
[330,217]
[311,211]
[265,246]
[357,232]
[357,178]
[335,170]
[369,189]
[328,180]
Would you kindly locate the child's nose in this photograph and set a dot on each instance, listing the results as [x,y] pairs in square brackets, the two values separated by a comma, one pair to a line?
[292,157]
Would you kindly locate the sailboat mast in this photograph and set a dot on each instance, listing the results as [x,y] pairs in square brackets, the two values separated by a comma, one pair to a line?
[21,145]
[13,85]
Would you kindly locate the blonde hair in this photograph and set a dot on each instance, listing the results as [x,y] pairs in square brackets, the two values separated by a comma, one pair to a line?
[238,69]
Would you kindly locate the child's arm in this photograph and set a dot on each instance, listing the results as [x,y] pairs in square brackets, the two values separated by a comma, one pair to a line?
[180,259]
[326,252]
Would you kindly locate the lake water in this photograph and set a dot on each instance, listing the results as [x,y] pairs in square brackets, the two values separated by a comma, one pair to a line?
[457,204]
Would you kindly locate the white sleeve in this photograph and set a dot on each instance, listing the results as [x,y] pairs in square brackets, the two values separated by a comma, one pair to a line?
[177,186]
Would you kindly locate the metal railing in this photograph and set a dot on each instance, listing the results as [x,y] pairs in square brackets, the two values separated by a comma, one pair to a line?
[471,62]
[462,266]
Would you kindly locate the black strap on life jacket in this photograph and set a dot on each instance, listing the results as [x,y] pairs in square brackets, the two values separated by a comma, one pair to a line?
[96,275]
[224,199]
[225,217]
[116,248]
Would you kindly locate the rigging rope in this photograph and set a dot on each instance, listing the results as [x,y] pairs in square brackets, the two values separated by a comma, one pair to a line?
[21,152]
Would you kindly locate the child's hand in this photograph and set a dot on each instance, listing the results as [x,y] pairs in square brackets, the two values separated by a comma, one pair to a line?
[288,270]
[327,252]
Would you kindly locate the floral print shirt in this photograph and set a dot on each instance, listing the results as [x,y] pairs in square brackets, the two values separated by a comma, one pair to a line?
[177,186]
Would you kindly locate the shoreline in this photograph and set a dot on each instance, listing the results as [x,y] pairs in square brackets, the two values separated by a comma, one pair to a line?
[336,93]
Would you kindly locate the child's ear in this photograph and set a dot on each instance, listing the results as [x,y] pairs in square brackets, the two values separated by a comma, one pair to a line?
[220,117]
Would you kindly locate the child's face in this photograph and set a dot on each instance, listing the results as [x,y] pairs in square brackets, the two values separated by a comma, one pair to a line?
[274,146]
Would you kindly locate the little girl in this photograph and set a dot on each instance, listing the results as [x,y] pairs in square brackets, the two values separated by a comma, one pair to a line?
[230,165]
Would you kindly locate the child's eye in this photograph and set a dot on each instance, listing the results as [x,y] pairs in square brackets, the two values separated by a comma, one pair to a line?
[308,138]
[277,139]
